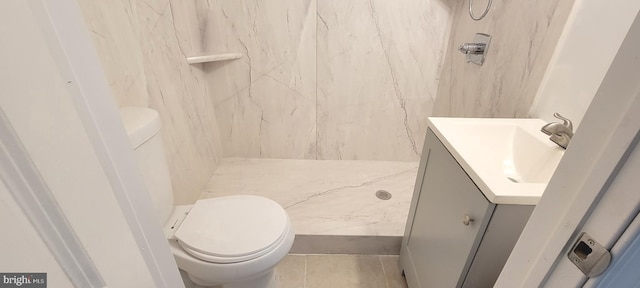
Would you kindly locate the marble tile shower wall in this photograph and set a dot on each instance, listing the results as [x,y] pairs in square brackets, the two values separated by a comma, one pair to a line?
[325,79]
[525,34]
[142,46]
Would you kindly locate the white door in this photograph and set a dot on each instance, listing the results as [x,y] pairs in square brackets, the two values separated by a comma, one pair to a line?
[595,188]
[611,223]
[623,271]
[28,253]
[62,209]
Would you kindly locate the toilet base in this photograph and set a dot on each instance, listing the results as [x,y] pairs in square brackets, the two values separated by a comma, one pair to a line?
[267,280]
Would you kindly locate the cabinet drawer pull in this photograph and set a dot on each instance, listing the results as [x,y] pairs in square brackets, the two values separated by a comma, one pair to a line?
[467,220]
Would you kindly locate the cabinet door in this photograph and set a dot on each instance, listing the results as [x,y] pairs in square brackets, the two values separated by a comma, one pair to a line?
[439,245]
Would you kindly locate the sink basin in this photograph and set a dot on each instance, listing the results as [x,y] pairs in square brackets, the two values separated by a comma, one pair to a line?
[530,160]
[510,160]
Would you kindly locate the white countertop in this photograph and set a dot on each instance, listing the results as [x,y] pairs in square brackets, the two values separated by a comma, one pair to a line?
[510,160]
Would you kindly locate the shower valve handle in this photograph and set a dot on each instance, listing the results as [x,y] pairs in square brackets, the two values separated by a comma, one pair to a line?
[472,48]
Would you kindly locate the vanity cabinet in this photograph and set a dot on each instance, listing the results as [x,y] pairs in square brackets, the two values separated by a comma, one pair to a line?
[454,236]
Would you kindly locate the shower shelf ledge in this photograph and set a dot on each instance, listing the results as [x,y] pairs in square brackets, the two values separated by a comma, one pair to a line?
[213,57]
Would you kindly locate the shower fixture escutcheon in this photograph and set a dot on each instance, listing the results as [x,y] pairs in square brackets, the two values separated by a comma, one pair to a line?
[476,51]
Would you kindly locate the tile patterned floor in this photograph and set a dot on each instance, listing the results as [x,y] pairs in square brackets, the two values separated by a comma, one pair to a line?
[340,271]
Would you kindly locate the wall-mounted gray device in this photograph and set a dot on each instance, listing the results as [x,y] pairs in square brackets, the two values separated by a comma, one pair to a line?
[476,50]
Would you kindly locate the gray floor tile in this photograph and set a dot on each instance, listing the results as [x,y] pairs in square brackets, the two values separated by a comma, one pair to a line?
[344,271]
[392,271]
[291,272]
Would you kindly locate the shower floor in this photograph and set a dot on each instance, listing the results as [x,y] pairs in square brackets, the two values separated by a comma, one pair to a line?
[332,203]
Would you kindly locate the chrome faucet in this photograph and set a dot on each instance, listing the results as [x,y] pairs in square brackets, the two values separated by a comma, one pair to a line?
[472,48]
[560,133]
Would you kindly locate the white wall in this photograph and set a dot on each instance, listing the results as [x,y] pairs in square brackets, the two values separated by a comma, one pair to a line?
[36,97]
[589,42]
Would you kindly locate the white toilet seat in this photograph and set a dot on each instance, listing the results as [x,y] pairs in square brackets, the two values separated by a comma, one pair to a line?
[233,229]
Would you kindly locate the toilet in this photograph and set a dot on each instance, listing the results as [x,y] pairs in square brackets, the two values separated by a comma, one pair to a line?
[229,242]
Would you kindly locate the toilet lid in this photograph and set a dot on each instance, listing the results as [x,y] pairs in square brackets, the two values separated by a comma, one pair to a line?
[232,228]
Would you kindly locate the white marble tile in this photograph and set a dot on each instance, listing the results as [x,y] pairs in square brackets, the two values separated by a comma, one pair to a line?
[113,28]
[325,197]
[524,36]
[178,91]
[378,68]
[268,120]
[143,47]
[265,101]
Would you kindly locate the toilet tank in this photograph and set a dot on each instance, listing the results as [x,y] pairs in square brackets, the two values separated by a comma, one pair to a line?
[143,127]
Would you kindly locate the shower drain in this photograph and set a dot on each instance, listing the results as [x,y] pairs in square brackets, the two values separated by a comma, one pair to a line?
[383,195]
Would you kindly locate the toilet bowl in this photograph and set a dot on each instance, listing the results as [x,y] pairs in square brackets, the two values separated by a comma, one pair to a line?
[231,241]
[262,236]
